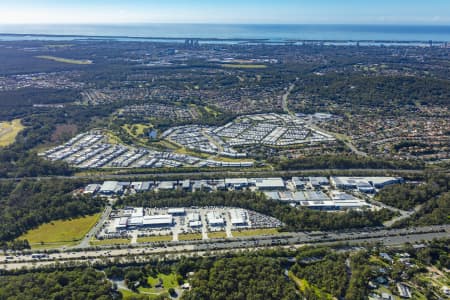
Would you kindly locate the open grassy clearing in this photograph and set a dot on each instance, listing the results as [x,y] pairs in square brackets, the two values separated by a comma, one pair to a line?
[127,294]
[376,260]
[211,111]
[217,235]
[230,159]
[255,232]
[9,132]
[192,153]
[155,238]
[66,60]
[303,285]
[243,66]
[190,236]
[168,281]
[60,233]
[50,246]
[109,242]
[136,130]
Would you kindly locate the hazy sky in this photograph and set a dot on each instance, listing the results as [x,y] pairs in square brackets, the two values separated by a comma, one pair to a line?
[226,11]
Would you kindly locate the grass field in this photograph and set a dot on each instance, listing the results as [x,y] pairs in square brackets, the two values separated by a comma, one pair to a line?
[9,131]
[230,159]
[190,236]
[127,294]
[243,66]
[109,242]
[136,130]
[66,60]
[254,232]
[303,284]
[169,280]
[60,233]
[217,235]
[155,238]
[192,153]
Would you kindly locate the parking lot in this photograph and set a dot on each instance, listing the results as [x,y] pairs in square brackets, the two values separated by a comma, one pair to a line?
[181,223]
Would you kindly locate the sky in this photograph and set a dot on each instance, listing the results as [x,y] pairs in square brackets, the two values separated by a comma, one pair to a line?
[430,12]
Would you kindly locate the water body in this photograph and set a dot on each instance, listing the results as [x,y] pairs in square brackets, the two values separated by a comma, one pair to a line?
[227,33]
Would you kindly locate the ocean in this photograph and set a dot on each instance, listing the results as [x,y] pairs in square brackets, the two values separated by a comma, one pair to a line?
[230,33]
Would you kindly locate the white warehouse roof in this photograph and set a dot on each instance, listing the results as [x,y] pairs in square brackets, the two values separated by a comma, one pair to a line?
[158,220]
[214,218]
[270,183]
[238,216]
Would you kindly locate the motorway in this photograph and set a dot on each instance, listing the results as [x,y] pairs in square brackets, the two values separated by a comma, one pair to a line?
[221,174]
[145,252]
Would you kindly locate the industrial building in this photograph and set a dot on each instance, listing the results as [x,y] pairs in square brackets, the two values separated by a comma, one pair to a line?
[194,220]
[363,184]
[214,219]
[238,217]
[91,189]
[111,188]
[270,184]
[317,182]
[141,186]
[236,183]
[177,211]
[298,183]
[154,221]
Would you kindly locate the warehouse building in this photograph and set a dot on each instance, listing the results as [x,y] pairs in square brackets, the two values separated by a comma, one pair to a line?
[298,183]
[238,217]
[140,186]
[177,211]
[194,220]
[317,182]
[270,184]
[236,183]
[111,188]
[364,184]
[214,219]
[157,221]
[91,189]
[120,223]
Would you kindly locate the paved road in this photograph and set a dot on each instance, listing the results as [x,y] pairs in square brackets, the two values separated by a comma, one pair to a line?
[285,99]
[347,143]
[149,251]
[218,174]
[85,242]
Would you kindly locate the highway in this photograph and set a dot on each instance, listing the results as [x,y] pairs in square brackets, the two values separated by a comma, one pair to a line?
[143,252]
[220,174]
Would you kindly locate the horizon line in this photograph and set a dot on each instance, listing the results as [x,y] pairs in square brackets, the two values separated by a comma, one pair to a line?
[218,23]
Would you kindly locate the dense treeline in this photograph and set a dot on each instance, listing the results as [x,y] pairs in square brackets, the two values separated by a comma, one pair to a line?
[375,91]
[258,278]
[324,273]
[293,218]
[347,162]
[28,204]
[436,253]
[360,272]
[83,284]
[434,212]
[30,96]
[21,160]
[406,196]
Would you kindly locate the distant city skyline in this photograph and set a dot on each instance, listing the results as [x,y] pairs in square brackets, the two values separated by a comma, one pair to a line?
[402,12]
